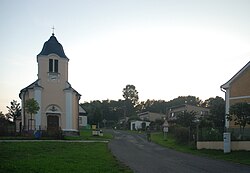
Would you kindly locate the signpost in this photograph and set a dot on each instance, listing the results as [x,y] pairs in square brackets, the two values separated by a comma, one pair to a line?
[165,129]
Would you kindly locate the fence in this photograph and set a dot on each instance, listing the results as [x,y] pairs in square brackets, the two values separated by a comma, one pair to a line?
[238,134]
[9,130]
[216,134]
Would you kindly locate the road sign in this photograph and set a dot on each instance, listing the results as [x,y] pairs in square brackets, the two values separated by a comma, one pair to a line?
[165,129]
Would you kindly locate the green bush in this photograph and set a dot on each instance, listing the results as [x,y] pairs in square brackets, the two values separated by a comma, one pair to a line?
[213,135]
[181,135]
[210,134]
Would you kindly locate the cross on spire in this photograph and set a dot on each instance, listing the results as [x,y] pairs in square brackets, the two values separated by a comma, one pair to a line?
[53,30]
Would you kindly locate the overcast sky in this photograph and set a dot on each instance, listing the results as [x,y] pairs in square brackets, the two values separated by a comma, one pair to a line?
[166,48]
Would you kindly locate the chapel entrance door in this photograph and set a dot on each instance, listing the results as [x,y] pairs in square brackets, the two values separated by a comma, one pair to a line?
[52,123]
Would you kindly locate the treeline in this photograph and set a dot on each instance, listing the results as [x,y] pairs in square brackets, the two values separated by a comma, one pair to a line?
[109,112]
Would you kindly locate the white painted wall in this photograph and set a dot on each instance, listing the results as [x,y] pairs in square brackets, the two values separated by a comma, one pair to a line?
[84,121]
[138,124]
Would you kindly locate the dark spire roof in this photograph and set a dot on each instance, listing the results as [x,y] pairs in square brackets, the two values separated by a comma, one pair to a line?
[52,46]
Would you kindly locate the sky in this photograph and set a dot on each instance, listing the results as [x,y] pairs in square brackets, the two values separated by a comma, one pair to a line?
[165,48]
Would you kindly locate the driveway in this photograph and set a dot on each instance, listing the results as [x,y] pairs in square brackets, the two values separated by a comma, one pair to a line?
[147,157]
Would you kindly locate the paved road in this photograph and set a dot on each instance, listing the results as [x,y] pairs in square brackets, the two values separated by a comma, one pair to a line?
[147,157]
[65,141]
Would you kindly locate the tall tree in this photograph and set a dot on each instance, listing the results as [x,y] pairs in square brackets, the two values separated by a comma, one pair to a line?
[131,97]
[130,93]
[14,110]
[31,107]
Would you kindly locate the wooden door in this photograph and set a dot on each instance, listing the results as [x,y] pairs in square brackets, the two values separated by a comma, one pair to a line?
[52,123]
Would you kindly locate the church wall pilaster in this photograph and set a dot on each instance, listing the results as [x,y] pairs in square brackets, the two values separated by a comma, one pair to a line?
[38,98]
[69,106]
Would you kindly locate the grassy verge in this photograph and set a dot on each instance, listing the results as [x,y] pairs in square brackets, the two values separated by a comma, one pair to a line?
[235,156]
[87,135]
[84,135]
[60,157]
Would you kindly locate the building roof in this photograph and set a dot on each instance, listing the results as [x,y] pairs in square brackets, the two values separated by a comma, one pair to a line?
[177,106]
[186,105]
[31,86]
[52,46]
[82,111]
[227,84]
[69,87]
[148,112]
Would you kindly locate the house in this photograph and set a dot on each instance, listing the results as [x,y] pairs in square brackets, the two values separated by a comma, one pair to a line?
[57,99]
[237,90]
[175,110]
[83,120]
[137,125]
[151,116]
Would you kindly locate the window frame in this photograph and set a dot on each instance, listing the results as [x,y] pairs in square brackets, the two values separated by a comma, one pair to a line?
[53,65]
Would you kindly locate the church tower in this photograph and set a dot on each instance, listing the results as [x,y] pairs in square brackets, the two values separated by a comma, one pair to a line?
[58,101]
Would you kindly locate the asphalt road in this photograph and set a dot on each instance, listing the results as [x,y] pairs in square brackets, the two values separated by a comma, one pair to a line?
[147,157]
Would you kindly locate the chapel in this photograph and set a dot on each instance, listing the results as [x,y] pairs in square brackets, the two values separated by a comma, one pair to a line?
[57,99]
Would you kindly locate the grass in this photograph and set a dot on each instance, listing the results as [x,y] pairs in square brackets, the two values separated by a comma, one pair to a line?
[87,135]
[242,157]
[84,135]
[56,157]
[50,157]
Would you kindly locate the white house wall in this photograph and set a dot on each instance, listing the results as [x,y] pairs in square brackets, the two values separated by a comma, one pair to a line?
[227,108]
[37,97]
[68,110]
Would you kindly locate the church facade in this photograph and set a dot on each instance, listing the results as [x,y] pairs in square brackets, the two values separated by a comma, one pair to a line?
[58,101]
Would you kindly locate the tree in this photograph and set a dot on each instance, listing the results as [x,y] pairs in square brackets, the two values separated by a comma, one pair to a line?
[130,93]
[158,106]
[240,114]
[3,119]
[187,125]
[190,100]
[95,111]
[31,107]
[186,119]
[131,97]
[4,123]
[14,110]
[217,111]
[2,115]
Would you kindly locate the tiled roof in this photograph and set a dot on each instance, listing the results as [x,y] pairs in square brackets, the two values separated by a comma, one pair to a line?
[52,46]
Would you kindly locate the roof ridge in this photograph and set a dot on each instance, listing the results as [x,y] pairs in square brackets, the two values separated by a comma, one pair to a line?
[226,85]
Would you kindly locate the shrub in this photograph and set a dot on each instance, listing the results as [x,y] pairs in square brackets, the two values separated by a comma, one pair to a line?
[212,135]
[181,135]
